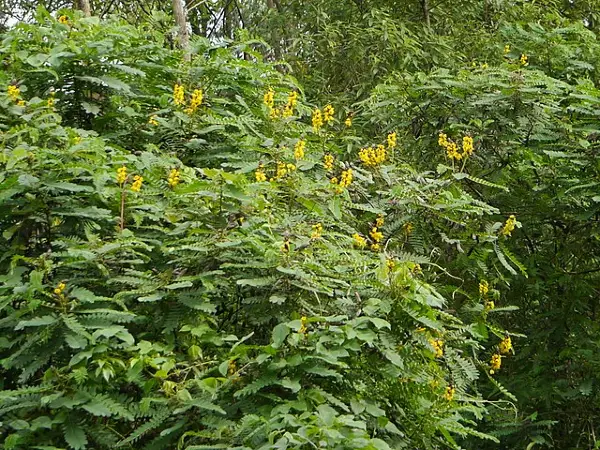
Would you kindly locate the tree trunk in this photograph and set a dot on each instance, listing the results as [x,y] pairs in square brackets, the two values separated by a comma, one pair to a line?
[425,4]
[181,21]
[84,5]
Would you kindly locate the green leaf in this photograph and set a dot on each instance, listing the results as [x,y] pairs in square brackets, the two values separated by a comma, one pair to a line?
[75,437]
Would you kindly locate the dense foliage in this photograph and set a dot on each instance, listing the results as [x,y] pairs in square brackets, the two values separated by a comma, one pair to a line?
[332,238]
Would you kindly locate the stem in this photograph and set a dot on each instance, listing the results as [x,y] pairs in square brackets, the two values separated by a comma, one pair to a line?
[123,208]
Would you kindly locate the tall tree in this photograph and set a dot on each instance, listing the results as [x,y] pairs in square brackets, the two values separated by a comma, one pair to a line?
[181,20]
[84,5]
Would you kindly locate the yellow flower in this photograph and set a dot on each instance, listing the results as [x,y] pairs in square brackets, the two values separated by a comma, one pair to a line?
[299,149]
[408,228]
[328,162]
[449,393]
[377,236]
[288,110]
[443,140]
[467,146]
[317,119]
[153,120]
[391,140]
[303,328]
[121,175]
[509,226]
[21,103]
[495,363]
[359,241]
[372,157]
[269,98]
[50,102]
[506,49]
[328,113]
[346,178]
[317,229]
[416,270]
[285,248]
[334,180]
[523,60]
[290,167]
[13,92]
[137,183]
[438,347]
[484,288]
[173,179]
[63,19]
[380,221]
[260,174]
[281,170]
[60,288]
[505,345]
[489,305]
[390,264]
[348,121]
[375,247]
[196,101]
[178,94]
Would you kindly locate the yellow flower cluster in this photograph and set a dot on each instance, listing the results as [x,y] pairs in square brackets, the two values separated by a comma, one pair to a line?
[506,49]
[269,99]
[392,140]
[303,328]
[484,288]
[137,183]
[288,110]
[380,221]
[438,347]
[21,103]
[449,393]
[299,149]
[348,121]
[121,175]
[317,120]
[51,100]
[260,173]
[376,235]
[13,92]
[359,241]
[489,305]
[285,248]
[390,264]
[196,101]
[328,162]
[495,363]
[153,120]
[523,60]
[60,289]
[505,345]
[283,169]
[452,149]
[173,178]
[178,94]
[372,157]
[63,19]
[317,230]
[509,226]
[346,178]
[328,113]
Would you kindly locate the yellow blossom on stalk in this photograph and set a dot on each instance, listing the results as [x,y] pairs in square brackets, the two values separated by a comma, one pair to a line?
[317,119]
[50,102]
[438,347]
[443,139]
[153,120]
[303,328]
[334,180]
[449,393]
[288,110]
[489,305]
[509,226]
[506,49]
[137,183]
[505,345]
[408,228]
[495,363]
[390,264]
[452,151]
[372,157]
[196,101]
[484,288]
[63,19]
[376,235]
[299,149]
[328,113]
[285,248]
[283,169]
[328,162]
[346,178]
[375,247]
[179,94]
[260,173]
[391,140]
[121,175]
[416,270]
[523,60]
[60,288]
[359,241]
[273,113]
[269,98]
[317,229]
[348,121]
[173,178]
[380,221]
[467,146]
[21,103]
[13,92]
